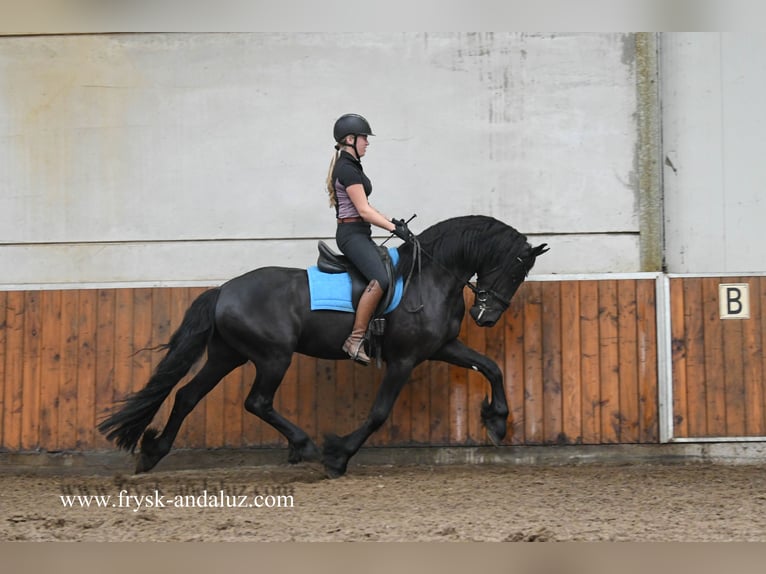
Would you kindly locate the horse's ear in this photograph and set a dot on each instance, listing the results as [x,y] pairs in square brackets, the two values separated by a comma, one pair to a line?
[540,249]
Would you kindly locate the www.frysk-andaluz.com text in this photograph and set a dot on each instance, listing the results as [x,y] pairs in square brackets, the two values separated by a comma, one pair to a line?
[188,496]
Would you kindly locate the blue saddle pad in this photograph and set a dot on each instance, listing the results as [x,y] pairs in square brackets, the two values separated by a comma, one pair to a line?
[332,291]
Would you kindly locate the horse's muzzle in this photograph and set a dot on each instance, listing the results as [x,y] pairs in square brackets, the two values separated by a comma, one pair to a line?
[484,316]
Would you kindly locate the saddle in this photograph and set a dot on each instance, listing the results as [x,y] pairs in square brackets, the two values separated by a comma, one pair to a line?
[331,262]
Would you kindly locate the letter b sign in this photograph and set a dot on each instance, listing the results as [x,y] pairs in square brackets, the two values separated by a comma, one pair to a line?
[734,300]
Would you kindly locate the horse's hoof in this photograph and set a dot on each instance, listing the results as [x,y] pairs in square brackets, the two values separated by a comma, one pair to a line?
[495,438]
[309,452]
[333,472]
[334,467]
[335,456]
[150,453]
[293,455]
[143,464]
[496,424]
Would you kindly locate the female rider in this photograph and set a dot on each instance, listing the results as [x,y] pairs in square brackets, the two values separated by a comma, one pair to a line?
[349,188]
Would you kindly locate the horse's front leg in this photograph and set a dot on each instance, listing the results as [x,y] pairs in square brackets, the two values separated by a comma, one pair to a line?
[494,415]
[338,450]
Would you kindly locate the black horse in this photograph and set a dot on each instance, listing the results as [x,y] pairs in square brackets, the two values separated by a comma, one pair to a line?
[264,316]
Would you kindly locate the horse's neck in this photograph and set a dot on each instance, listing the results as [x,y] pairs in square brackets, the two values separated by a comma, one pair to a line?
[453,268]
[464,263]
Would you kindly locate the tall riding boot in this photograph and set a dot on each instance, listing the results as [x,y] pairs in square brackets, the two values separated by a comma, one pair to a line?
[354,345]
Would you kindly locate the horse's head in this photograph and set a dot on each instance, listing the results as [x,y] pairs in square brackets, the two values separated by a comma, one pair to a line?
[496,287]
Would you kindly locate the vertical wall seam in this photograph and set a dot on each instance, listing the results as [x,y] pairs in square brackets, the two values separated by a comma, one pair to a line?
[649,151]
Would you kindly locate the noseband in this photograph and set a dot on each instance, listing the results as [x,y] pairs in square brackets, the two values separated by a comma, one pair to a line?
[482,298]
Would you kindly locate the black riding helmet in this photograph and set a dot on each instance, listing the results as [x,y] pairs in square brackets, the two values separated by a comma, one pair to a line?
[351,124]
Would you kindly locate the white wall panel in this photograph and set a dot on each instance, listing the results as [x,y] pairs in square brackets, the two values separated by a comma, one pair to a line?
[714,89]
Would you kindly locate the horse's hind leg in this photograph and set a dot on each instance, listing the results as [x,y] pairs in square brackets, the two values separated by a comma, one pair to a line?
[260,402]
[153,447]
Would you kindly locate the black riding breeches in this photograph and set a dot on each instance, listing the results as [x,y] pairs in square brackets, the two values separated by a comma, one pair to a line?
[355,242]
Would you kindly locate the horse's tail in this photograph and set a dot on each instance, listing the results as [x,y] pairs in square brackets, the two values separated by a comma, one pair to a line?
[185,347]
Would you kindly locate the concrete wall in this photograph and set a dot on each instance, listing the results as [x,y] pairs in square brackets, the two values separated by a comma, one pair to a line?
[714,117]
[195,157]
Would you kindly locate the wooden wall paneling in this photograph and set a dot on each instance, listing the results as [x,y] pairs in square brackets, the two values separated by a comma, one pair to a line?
[514,366]
[571,363]
[761,295]
[68,397]
[590,362]
[30,416]
[752,355]
[533,367]
[85,373]
[106,302]
[458,399]
[609,355]
[50,368]
[714,359]
[627,361]
[648,387]
[400,420]
[693,418]
[345,416]
[680,350]
[371,378]
[420,404]
[578,358]
[14,369]
[438,401]
[143,326]
[553,431]
[5,384]
[326,397]
[365,388]
[364,393]
[733,372]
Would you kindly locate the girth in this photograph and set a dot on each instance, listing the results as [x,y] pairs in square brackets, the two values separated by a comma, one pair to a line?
[331,262]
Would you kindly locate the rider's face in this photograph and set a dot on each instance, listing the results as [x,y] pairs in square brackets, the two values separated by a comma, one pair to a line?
[361,144]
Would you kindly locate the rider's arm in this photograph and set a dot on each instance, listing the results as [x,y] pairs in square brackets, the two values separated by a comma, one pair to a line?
[367,211]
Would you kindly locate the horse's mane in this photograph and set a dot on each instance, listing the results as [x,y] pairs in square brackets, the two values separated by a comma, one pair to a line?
[476,238]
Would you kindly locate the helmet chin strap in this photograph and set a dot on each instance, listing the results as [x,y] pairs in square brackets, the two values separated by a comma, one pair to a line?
[353,146]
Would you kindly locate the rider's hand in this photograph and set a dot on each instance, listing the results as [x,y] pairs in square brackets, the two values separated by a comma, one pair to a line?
[402,231]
